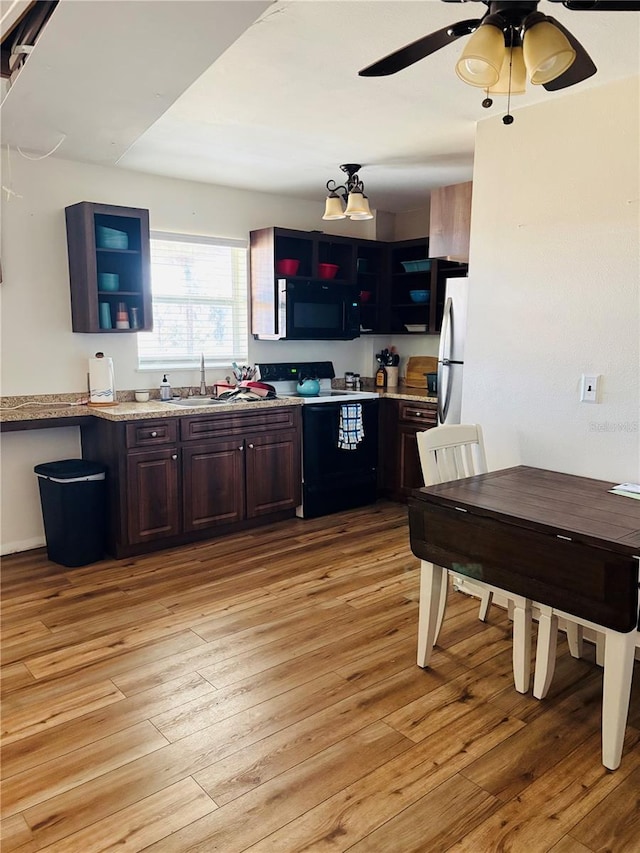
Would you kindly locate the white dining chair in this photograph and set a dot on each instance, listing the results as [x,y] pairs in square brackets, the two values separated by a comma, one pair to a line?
[451,452]
[614,651]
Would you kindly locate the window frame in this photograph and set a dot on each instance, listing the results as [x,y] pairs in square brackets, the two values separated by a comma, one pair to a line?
[239,298]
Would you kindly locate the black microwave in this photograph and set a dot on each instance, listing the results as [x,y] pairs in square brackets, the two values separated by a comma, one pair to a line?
[317,310]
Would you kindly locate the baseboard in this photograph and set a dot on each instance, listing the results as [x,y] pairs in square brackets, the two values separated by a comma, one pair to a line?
[26,545]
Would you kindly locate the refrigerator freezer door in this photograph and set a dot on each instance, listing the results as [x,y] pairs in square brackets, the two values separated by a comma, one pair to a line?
[451,352]
[457,289]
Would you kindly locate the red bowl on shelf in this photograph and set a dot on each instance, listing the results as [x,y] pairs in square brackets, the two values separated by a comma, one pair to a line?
[287,266]
[327,270]
[365,296]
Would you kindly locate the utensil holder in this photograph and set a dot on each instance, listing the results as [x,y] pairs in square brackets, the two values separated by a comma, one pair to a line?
[392,376]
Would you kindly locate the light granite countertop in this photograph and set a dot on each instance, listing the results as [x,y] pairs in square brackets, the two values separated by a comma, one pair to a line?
[45,407]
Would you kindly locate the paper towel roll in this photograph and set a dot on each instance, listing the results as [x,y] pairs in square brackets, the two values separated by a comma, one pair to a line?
[102,386]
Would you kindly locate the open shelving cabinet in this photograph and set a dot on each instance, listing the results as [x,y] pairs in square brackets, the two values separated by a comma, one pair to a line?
[89,259]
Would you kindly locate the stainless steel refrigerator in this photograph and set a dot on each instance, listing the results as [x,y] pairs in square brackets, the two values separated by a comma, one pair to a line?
[451,351]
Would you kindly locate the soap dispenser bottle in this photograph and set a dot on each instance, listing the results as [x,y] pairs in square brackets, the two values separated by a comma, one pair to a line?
[165,388]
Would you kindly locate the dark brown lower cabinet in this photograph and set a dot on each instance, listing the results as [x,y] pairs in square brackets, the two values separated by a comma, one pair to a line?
[213,484]
[175,480]
[152,495]
[400,422]
[272,473]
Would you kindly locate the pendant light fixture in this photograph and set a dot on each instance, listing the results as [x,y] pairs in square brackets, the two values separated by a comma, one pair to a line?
[352,192]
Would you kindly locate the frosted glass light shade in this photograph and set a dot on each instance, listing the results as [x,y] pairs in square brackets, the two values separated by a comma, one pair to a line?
[481,60]
[366,214]
[518,74]
[547,52]
[357,205]
[333,208]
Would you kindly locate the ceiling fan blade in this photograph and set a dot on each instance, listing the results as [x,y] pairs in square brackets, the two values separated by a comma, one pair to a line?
[600,5]
[417,50]
[582,67]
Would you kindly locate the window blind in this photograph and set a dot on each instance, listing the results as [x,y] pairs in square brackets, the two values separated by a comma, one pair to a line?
[199,293]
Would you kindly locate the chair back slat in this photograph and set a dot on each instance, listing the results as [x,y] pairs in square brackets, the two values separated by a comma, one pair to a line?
[451,452]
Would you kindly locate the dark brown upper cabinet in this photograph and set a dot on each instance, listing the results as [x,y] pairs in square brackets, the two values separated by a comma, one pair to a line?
[109,268]
[401,287]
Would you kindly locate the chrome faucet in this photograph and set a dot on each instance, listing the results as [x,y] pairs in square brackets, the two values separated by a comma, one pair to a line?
[203,384]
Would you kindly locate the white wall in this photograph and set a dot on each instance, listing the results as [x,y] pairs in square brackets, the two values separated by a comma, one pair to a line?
[554,284]
[40,353]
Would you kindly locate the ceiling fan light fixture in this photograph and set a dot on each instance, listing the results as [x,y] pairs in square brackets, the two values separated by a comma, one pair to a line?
[547,52]
[513,74]
[481,60]
[333,207]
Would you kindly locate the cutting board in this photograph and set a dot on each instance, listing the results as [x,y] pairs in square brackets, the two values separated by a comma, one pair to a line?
[417,366]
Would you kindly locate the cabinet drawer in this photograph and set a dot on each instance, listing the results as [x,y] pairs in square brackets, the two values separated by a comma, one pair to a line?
[152,433]
[417,413]
[223,424]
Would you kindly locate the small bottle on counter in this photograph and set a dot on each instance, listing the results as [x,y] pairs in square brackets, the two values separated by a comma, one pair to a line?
[381,377]
[357,382]
[165,388]
[349,380]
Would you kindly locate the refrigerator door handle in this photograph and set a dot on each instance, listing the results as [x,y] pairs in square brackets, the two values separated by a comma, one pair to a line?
[446,338]
[443,400]
[446,333]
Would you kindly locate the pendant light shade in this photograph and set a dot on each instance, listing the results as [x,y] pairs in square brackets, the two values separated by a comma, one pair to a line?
[366,210]
[513,74]
[356,205]
[333,207]
[547,52]
[481,60]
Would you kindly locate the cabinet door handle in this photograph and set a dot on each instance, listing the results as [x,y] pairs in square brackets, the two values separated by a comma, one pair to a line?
[251,447]
[153,434]
[241,447]
[174,455]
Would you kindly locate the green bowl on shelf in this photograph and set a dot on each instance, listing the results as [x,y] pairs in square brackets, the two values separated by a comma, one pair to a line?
[111,238]
[108,281]
[416,266]
[419,295]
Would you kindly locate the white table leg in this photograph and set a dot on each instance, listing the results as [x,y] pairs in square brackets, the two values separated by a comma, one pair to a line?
[432,580]
[619,652]
[575,639]
[485,604]
[521,643]
[545,651]
[442,604]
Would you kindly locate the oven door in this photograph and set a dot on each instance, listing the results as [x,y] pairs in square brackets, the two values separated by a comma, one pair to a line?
[335,479]
[318,310]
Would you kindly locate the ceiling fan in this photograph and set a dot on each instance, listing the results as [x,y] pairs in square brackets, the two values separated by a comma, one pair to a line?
[511,39]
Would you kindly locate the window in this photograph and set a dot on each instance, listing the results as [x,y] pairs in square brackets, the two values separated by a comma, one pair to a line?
[199,291]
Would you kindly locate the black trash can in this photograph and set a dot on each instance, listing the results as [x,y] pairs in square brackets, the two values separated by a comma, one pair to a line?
[72,494]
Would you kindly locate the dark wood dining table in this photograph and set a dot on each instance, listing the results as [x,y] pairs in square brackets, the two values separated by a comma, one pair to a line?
[561,540]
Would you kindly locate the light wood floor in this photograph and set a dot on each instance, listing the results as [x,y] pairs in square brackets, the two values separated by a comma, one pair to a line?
[260,692]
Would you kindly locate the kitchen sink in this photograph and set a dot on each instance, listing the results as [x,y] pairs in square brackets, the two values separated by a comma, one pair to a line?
[192,402]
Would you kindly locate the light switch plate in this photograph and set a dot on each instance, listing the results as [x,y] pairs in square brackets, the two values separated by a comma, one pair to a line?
[589,388]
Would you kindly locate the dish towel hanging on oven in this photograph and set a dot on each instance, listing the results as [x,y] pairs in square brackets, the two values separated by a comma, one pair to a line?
[350,428]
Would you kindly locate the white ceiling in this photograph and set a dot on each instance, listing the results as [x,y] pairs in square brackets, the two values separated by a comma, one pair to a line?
[265,96]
